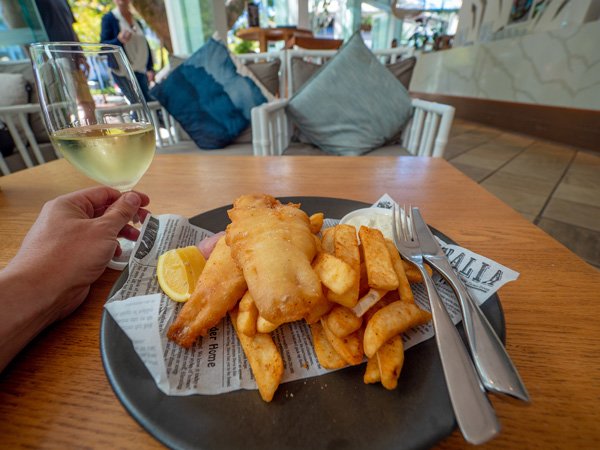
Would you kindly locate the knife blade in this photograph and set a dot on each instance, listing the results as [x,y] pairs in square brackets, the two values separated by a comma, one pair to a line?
[497,371]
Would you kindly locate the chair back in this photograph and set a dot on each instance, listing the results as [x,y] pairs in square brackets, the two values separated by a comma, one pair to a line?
[427,132]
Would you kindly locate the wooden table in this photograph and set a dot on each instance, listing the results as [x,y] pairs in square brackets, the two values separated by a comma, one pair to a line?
[264,35]
[55,394]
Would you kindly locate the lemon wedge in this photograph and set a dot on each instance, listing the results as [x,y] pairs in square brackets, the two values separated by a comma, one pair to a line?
[178,271]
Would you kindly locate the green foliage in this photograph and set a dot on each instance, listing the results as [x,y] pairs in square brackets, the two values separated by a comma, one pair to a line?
[89,16]
[107,90]
[240,46]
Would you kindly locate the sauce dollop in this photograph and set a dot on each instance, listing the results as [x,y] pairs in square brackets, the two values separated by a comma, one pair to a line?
[378,218]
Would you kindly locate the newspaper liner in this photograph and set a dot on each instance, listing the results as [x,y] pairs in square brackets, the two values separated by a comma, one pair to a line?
[216,363]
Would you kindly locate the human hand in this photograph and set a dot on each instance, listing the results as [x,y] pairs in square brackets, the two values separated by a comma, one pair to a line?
[150,76]
[124,36]
[72,241]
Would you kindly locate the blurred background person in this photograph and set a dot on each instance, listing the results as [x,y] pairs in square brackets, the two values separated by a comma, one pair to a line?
[120,27]
[58,20]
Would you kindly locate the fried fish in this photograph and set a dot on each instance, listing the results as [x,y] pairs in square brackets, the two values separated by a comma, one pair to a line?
[218,290]
[274,246]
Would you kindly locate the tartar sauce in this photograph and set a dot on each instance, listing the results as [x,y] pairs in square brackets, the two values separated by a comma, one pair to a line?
[373,218]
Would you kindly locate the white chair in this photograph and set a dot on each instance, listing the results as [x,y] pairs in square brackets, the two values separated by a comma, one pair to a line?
[426,134]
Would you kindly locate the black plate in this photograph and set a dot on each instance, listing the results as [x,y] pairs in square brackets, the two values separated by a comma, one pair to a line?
[334,411]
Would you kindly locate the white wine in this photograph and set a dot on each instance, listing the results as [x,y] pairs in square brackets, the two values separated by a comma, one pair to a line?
[116,155]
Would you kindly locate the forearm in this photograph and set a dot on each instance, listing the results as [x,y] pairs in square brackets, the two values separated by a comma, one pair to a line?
[26,310]
[80,230]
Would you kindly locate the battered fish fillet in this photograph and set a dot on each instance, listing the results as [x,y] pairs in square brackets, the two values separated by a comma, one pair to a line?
[274,246]
[218,290]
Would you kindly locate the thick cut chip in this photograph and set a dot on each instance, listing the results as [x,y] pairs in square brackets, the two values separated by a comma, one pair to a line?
[391,321]
[372,374]
[346,248]
[316,222]
[318,243]
[349,347]
[364,279]
[319,309]
[327,240]
[404,289]
[391,358]
[380,270]
[264,326]
[387,299]
[247,315]
[413,273]
[264,358]
[342,321]
[335,274]
[218,290]
[328,357]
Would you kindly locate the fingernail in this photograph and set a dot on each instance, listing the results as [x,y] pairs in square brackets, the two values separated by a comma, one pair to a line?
[133,199]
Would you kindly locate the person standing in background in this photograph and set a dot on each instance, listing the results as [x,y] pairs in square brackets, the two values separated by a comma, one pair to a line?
[119,27]
[58,20]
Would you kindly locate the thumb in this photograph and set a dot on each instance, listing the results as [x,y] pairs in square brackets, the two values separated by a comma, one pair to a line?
[122,211]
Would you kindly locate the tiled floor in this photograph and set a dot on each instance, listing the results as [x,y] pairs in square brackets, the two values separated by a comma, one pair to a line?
[557,187]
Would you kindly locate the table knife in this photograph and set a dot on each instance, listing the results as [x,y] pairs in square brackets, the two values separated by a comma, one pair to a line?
[495,368]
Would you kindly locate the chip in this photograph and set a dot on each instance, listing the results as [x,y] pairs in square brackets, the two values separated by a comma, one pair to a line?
[264,358]
[380,270]
[335,274]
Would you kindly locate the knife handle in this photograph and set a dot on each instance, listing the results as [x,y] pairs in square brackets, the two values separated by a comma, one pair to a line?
[474,413]
[496,369]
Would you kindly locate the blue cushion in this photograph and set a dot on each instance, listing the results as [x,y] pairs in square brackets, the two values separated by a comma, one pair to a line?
[209,96]
[353,104]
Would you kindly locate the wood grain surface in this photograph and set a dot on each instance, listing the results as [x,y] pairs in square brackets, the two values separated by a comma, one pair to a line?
[55,394]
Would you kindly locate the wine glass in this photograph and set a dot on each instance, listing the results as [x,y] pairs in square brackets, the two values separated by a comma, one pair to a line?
[111,140]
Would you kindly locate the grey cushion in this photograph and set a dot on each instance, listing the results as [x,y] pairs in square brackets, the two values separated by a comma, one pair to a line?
[267,73]
[296,149]
[353,105]
[35,120]
[403,70]
[302,71]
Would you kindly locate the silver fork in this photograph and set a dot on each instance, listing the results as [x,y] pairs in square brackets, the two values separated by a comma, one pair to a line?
[474,413]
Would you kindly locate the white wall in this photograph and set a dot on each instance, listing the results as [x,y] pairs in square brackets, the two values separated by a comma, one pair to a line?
[482,21]
[557,68]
